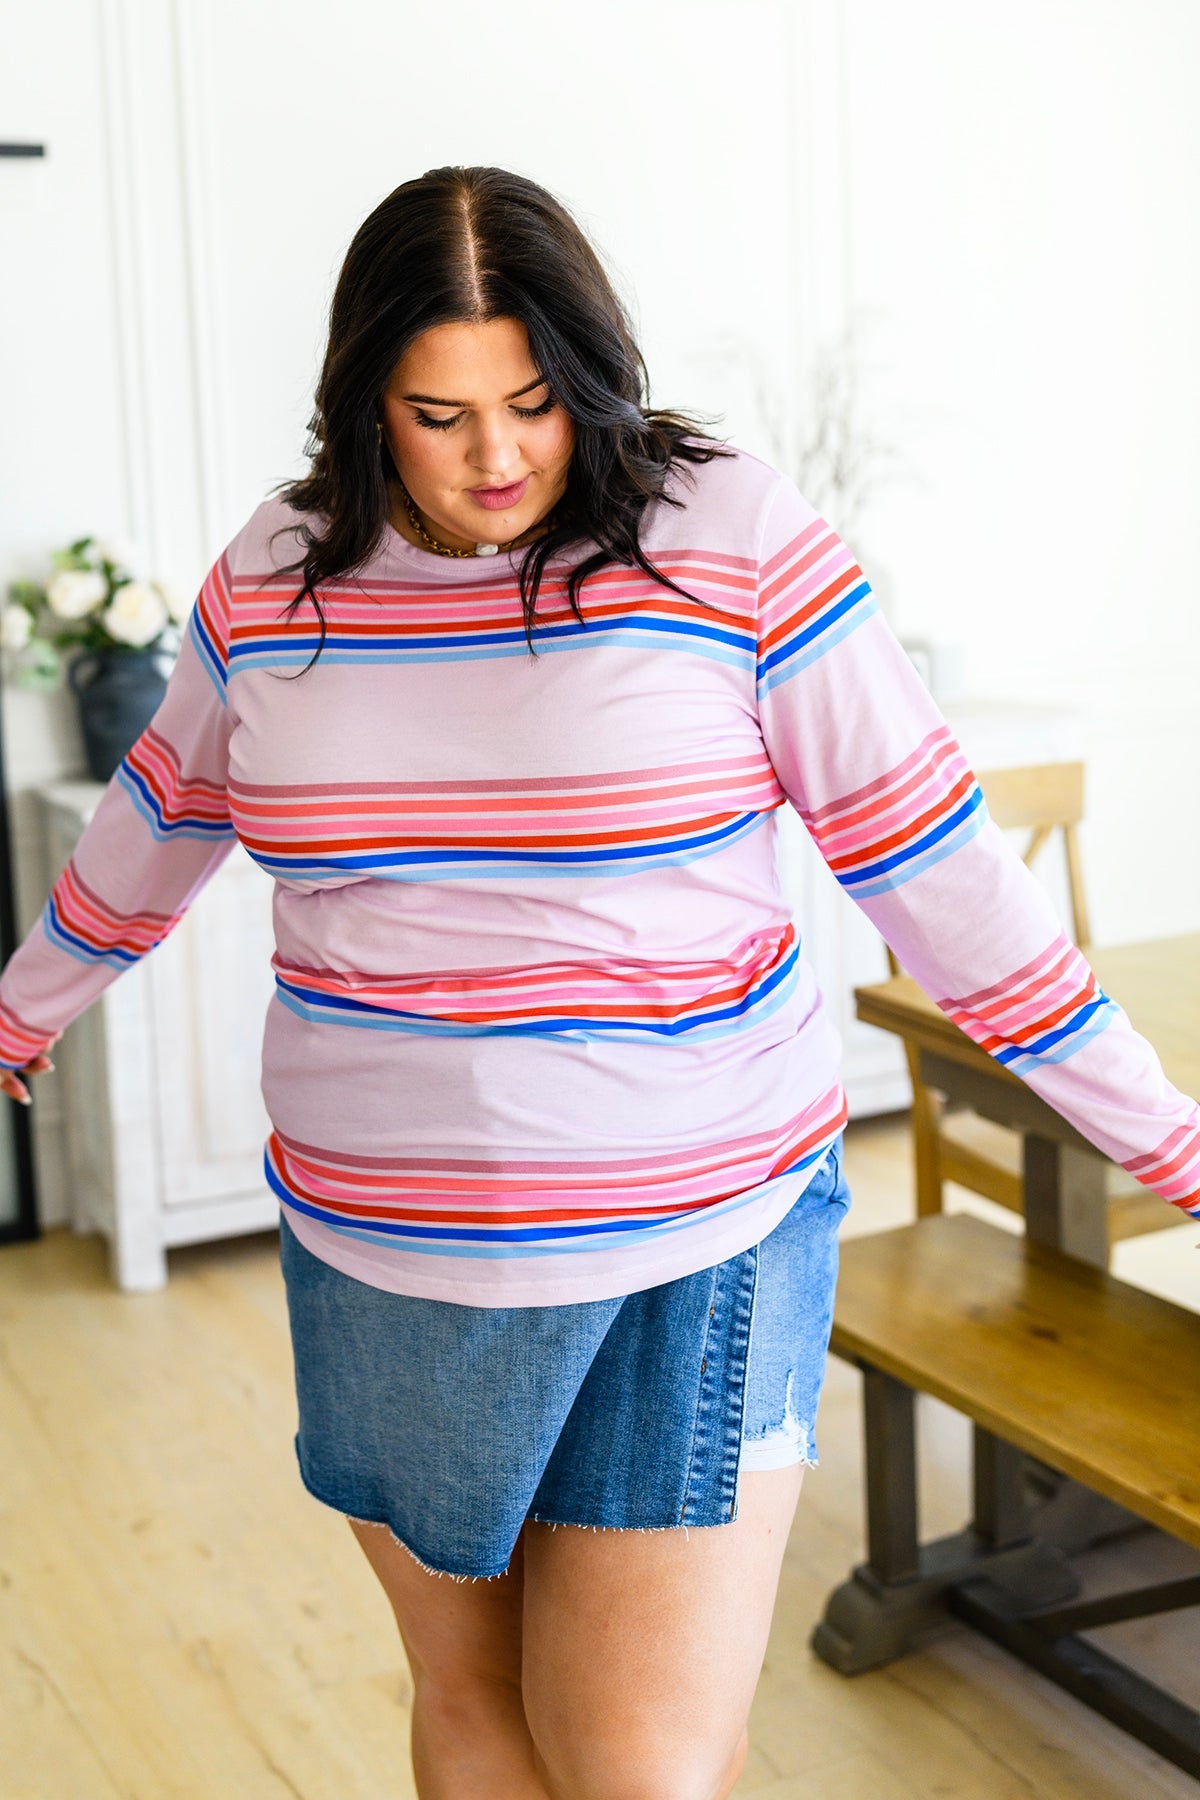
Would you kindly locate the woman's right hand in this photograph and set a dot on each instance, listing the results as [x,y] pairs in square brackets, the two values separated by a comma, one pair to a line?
[11,1083]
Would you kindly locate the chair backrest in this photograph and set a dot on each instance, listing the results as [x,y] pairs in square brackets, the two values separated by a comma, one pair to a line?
[1041,798]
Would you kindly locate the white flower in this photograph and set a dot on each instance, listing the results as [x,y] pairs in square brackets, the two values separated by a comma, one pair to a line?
[73,593]
[136,615]
[122,553]
[16,627]
[178,602]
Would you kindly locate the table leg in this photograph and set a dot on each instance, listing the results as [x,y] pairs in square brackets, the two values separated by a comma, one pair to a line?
[1066,1203]
[1063,1176]
[891,1447]
[1066,1207]
[898,1596]
[1001,1510]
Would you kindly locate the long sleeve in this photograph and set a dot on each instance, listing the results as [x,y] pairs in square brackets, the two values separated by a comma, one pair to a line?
[160,830]
[868,761]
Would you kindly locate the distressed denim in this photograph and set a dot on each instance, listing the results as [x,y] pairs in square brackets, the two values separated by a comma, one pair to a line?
[454,1424]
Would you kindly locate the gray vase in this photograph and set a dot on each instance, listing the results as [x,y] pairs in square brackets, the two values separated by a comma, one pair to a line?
[119,692]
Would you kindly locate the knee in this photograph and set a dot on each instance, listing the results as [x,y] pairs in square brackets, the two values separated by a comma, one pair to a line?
[632,1770]
[449,1667]
[455,1703]
[455,1682]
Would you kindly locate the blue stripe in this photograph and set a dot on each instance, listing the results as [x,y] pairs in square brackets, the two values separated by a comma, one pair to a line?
[454,864]
[797,664]
[507,1244]
[627,637]
[879,877]
[819,626]
[315,1015]
[727,646]
[467,1234]
[1053,1046]
[208,652]
[318,1008]
[74,946]
[146,804]
[622,640]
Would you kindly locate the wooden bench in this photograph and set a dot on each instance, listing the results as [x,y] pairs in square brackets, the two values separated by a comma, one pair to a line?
[1052,1359]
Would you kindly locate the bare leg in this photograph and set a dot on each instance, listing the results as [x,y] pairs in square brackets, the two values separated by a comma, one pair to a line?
[463,1642]
[643,1649]
[635,1655]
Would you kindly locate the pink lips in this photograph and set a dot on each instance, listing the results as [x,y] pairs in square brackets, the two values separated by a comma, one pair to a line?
[497,498]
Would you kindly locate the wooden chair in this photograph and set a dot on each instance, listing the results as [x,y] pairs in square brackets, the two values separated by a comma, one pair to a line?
[957,1145]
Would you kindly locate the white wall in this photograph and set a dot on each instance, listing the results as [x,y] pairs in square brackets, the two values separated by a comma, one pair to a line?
[1021,190]
[1006,191]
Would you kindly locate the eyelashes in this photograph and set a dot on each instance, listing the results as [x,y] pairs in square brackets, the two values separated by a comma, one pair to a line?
[522,412]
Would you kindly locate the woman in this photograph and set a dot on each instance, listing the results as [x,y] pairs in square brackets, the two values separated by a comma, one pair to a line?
[556,1107]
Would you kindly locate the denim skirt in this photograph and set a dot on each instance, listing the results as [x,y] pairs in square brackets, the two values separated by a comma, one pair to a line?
[454,1424]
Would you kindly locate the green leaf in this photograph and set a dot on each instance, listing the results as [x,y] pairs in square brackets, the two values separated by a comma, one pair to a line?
[65,637]
[39,667]
[27,593]
[71,558]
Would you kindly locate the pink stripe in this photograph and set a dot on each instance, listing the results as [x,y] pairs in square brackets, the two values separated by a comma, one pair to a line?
[882,783]
[542,784]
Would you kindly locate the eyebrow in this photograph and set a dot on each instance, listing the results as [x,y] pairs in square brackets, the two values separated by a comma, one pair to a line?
[430,400]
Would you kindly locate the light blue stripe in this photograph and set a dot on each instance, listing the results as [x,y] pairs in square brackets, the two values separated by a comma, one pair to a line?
[1026,1065]
[836,611]
[604,1237]
[207,652]
[148,809]
[626,638]
[1039,1046]
[796,662]
[942,828]
[768,1000]
[735,637]
[65,940]
[709,647]
[947,847]
[622,863]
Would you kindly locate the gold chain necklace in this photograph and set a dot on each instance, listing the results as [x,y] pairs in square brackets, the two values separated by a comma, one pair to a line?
[442,549]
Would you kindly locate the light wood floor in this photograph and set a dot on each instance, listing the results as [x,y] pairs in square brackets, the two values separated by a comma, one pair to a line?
[179,1621]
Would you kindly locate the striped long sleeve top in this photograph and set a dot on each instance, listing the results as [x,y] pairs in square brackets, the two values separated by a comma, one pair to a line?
[543,1027]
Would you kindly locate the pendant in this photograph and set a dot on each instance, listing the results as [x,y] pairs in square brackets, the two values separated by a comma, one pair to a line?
[487,549]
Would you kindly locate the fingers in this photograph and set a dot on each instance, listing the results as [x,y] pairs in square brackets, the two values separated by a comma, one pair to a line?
[11,1083]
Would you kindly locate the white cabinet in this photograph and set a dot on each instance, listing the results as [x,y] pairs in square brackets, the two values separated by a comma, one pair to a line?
[165,1124]
[161,1076]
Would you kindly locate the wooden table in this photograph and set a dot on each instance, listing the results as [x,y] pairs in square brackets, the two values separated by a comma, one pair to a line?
[1003,1329]
[1157,983]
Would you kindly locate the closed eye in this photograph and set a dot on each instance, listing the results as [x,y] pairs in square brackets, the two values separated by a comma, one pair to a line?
[522,412]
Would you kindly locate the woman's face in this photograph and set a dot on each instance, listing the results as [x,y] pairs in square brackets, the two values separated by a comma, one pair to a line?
[464,411]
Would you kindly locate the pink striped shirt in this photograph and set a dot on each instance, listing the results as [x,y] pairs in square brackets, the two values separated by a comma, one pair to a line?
[543,1027]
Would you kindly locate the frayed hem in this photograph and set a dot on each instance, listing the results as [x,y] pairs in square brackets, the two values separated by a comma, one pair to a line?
[584,1525]
[429,1568]
[683,1526]
[803,1462]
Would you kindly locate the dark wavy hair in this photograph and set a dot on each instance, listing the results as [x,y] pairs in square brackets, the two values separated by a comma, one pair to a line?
[472,244]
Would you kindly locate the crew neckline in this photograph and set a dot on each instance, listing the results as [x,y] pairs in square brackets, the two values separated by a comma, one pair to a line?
[464,568]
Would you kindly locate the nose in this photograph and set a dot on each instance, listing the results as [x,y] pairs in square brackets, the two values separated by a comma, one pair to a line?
[496,451]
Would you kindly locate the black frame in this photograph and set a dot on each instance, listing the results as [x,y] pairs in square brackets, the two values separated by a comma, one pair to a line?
[26,1225]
